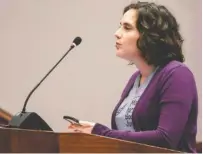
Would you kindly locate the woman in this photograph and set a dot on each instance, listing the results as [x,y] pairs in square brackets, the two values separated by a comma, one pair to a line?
[159,103]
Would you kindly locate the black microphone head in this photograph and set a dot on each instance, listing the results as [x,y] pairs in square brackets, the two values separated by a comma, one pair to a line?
[77,41]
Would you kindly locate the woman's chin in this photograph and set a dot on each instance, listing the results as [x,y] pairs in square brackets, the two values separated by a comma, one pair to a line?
[120,54]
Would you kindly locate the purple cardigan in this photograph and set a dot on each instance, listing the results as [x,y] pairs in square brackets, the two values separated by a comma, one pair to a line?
[166,113]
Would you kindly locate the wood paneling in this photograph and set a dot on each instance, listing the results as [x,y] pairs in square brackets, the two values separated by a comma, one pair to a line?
[5,116]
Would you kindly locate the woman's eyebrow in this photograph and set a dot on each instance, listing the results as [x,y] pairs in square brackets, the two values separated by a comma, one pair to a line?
[126,24]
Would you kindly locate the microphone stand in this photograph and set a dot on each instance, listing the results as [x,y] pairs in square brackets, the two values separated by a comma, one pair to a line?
[31,120]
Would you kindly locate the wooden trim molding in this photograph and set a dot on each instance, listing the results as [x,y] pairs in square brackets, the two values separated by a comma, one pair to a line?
[5,114]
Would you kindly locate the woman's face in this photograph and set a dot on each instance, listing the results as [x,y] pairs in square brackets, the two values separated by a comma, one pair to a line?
[127,36]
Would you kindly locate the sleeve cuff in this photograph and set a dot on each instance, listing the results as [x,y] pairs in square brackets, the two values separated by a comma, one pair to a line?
[98,129]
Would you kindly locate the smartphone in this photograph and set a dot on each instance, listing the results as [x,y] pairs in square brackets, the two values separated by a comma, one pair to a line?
[72,120]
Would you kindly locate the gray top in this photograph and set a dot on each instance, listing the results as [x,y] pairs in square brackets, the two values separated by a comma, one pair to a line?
[124,112]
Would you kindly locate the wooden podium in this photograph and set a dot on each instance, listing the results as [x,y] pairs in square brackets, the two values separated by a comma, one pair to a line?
[30,141]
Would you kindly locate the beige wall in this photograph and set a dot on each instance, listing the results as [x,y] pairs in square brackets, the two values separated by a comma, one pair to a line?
[34,34]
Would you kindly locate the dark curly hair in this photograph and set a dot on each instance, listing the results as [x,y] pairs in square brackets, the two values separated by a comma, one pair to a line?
[160,41]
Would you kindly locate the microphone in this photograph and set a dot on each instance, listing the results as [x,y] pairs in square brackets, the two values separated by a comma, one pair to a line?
[31,120]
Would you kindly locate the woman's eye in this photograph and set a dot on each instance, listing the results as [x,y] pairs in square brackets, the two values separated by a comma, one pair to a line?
[127,28]
[124,27]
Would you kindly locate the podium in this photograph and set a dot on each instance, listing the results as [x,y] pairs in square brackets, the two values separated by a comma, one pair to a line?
[31,141]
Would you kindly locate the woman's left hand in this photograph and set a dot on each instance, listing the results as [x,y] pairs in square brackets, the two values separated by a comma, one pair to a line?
[84,127]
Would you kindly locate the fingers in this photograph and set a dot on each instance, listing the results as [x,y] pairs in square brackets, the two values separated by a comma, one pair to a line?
[79,126]
[77,130]
[74,131]
[71,127]
[74,128]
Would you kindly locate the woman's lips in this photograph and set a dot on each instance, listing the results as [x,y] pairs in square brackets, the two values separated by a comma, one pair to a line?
[117,45]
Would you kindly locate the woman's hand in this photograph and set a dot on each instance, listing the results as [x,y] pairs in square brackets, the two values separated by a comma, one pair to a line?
[83,127]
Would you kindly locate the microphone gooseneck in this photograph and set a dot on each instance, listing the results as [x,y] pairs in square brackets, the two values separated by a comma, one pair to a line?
[75,43]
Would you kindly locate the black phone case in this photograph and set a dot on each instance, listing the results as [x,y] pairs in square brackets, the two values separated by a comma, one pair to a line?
[71,118]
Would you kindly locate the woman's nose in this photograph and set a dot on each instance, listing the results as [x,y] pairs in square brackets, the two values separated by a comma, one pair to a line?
[118,34]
